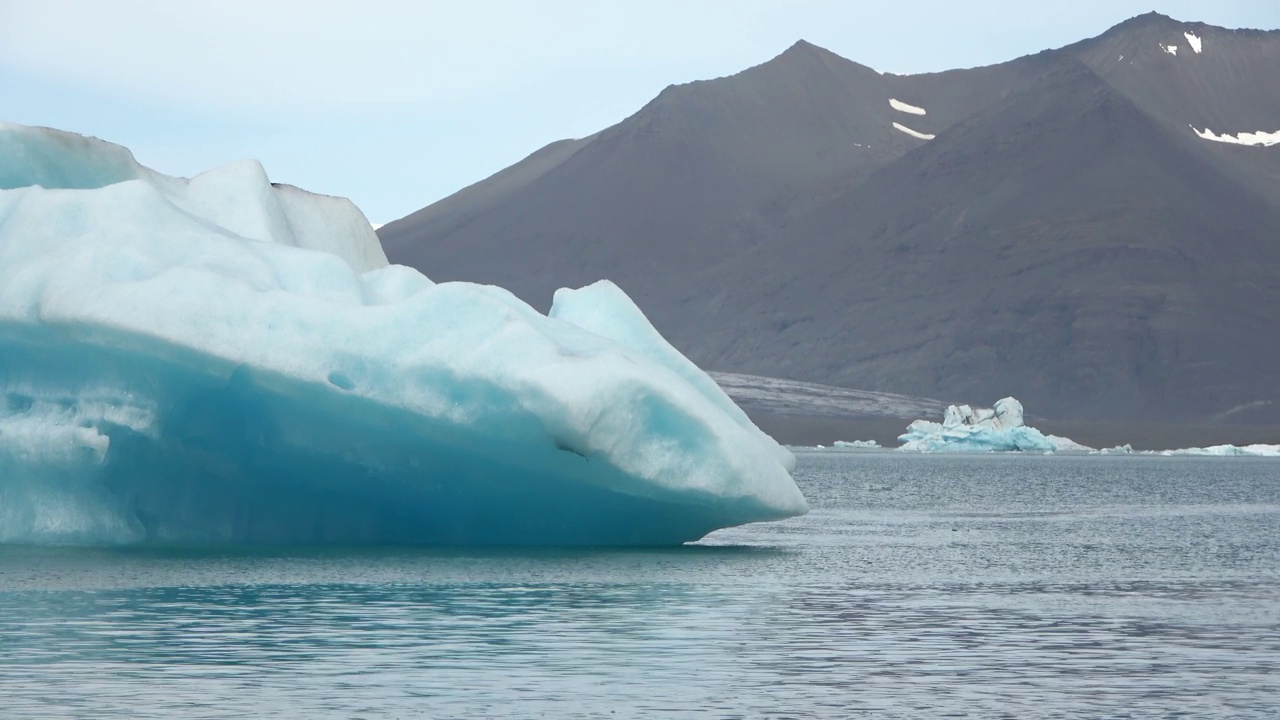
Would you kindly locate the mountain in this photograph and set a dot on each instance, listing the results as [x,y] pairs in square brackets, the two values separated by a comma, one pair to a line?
[1067,227]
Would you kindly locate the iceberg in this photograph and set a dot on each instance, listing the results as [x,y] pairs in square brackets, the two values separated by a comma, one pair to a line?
[225,360]
[996,429]
[857,444]
[1257,450]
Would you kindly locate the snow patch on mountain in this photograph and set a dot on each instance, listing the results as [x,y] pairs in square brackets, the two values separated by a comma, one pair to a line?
[1171,49]
[1259,138]
[900,106]
[1194,41]
[913,133]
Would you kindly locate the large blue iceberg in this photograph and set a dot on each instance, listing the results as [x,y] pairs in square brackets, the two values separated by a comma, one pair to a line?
[227,360]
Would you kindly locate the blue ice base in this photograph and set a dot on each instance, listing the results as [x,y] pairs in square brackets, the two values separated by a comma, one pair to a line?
[236,458]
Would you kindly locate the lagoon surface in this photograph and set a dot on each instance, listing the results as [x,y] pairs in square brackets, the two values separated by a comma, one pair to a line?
[918,586]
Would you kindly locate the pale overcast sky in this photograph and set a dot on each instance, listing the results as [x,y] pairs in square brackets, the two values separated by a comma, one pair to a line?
[397,104]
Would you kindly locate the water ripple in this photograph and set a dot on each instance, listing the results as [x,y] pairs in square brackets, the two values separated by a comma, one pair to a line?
[1152,591]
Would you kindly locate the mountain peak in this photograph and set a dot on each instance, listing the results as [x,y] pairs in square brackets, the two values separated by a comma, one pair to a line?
[1156,22]
[804,50]
[802,45]
[799,202]
[1147,19]
[803,56]
[1146,24]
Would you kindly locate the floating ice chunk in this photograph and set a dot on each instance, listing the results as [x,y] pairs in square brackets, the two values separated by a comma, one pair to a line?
[996,429]
[904,107]
[1171,49]
[1260,450]
[1194,41]
[857,444]
[224,360]
[1259,138]
[903,128]
[1067,445]
[1229,451]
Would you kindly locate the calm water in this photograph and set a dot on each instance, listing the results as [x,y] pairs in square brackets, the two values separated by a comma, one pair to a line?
[918,587]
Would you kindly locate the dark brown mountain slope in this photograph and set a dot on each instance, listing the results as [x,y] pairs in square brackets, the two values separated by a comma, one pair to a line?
[1127,277]
[1067,236]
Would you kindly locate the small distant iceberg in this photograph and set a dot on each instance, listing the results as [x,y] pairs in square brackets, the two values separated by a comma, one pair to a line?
[997,429]
[857,444]
[1258,450]
[1228,451]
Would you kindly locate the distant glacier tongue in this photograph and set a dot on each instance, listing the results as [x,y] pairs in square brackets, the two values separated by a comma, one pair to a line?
[227,361]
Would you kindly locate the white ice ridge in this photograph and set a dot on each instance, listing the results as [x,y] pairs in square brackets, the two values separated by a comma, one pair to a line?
[1171,49]
[1229,451]
[225,360]
[857,445]
[913,133]
[904,107]
[1271,451]
[996,429]
[1194,41]
[237,198]
[1259,138]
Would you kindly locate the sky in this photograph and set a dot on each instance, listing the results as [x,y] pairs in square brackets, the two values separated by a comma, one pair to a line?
[398,104]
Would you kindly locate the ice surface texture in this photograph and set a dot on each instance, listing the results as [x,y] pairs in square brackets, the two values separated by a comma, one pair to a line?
[1260,450]
[1272,451]
[224,360]
[997,429]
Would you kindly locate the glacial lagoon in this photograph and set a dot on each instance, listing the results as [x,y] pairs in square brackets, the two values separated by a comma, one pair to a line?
[917,586]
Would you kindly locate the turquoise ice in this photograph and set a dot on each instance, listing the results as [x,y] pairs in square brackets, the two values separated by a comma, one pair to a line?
[226,360]
[996,429]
